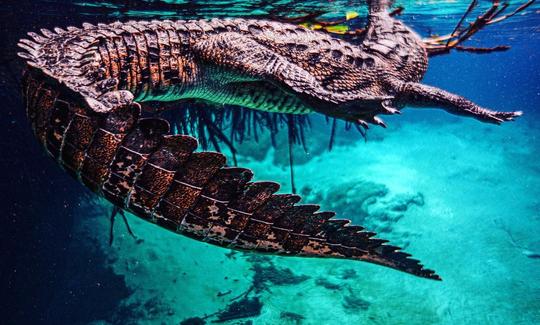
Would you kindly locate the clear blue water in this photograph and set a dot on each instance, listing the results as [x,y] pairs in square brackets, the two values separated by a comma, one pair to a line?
[469,197]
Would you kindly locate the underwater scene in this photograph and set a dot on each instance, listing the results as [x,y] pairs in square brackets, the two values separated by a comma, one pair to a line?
[330,99]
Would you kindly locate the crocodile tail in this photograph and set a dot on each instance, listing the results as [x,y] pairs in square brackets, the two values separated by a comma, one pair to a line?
[283,227]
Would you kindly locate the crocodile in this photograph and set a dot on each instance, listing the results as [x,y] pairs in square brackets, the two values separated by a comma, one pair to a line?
[83,89]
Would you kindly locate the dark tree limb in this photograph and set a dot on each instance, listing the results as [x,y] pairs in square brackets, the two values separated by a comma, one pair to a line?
[437,45]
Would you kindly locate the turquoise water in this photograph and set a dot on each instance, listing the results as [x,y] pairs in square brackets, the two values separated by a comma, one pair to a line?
[461,196]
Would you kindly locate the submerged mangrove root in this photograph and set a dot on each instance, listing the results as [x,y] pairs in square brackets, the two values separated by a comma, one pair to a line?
[117,211]
[435,45]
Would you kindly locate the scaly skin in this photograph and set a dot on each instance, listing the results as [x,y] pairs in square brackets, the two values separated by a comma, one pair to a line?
[258,64]
[83,86]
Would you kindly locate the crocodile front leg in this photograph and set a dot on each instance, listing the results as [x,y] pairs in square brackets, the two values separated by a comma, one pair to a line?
[420,95]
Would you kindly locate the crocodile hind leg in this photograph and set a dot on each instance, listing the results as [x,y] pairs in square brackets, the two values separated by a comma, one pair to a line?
[417,94]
